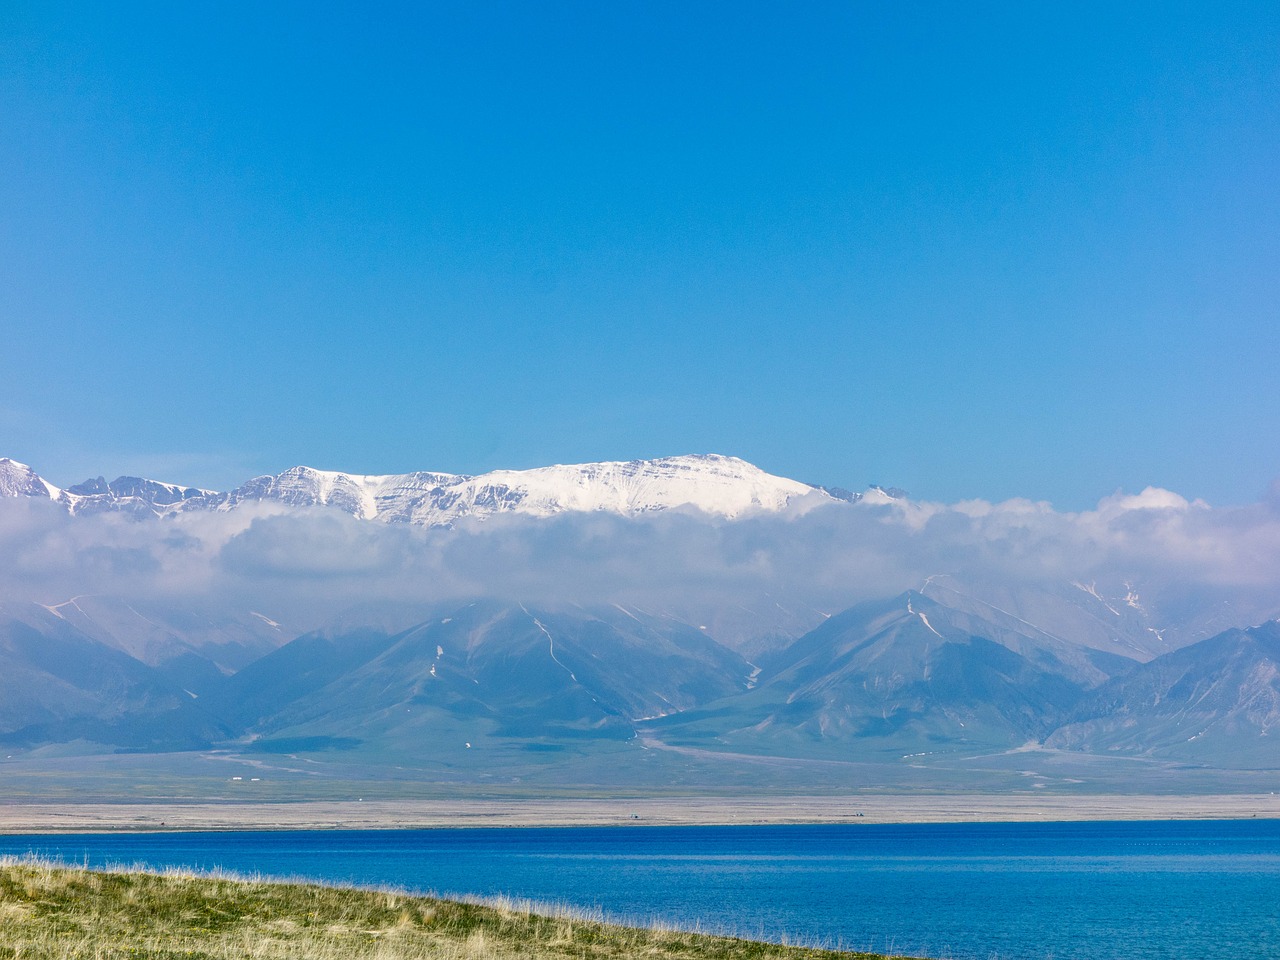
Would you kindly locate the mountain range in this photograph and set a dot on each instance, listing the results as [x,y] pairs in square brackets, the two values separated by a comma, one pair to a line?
[716,485]
[956,669]
[1116,618]
[885,681]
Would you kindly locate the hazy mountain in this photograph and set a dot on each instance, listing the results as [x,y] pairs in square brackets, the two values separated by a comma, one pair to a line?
[1122,618]
[58,684]
[1216,702]
[904,675]
[192,649]
[298,671]
[883,681]
[489,670]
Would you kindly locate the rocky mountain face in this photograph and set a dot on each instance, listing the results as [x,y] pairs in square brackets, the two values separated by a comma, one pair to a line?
[716,485]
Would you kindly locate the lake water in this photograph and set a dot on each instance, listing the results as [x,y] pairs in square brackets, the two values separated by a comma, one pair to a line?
[1197,890]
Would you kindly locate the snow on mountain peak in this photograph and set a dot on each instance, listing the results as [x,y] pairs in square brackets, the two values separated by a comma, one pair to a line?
[366,497]
[19,480]
[719,485]
[714,484]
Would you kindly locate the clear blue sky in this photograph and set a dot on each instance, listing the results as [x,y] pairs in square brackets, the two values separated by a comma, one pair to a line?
[969,249]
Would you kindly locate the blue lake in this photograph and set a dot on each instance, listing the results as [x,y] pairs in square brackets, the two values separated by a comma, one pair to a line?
[1197,890]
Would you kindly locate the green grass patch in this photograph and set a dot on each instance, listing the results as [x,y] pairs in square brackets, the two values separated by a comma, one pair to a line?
[49,911]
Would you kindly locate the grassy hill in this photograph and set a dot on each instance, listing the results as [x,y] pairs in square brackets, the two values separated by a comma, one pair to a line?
[53,911]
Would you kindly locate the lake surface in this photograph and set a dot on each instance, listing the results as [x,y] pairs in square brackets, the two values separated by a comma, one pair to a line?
[1199,890]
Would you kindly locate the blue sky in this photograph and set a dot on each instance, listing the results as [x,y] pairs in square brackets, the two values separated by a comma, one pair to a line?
[973,250]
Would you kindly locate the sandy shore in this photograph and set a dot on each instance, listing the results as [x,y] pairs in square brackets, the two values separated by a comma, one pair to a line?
[36,817]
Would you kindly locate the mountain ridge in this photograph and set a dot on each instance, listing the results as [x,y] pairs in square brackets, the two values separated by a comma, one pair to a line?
[715,484]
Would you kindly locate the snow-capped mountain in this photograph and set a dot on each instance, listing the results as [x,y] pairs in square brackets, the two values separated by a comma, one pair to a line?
[19,480]
[132,495]
[716,485]
[722,486]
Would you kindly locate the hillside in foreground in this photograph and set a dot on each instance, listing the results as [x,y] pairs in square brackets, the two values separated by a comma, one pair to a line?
[55,911]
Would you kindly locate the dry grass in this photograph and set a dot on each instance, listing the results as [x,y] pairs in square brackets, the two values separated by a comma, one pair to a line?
[53,911]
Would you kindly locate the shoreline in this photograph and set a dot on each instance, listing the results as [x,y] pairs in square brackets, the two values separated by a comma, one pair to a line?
[40,817]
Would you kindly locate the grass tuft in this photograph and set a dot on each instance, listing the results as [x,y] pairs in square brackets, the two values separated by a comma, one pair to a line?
[51,911]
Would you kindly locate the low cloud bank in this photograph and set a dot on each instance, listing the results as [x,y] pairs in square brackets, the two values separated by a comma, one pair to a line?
[754,573]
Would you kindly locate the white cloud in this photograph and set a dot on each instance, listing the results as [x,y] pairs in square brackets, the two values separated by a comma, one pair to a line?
[312,563]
